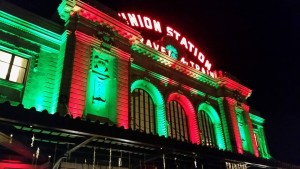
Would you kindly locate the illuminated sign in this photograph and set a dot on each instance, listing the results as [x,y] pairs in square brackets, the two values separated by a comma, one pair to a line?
[199,61]
[230,165]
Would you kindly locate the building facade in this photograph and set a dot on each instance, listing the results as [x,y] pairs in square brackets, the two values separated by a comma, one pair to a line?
[95,93]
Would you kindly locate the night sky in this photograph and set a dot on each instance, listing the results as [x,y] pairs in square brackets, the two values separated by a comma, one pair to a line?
[257,41]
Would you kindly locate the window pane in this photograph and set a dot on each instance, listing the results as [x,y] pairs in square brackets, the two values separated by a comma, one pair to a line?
[18,61]
[17,74]
[5,57]
[207,129]
[147,115]
[12,68]
[143,111]
[177,121]
[3,69]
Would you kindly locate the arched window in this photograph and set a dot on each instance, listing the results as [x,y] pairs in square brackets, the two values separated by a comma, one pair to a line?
[142,111]
[211,131]
[178,127]
[207,130]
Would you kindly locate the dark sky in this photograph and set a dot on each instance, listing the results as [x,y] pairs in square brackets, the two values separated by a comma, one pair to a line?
[257,41]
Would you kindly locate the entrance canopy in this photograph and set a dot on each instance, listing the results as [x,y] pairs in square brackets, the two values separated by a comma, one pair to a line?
[29,137]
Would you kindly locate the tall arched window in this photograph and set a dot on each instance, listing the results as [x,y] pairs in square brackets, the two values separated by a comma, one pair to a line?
[178,127]
[207,130]
[142,111]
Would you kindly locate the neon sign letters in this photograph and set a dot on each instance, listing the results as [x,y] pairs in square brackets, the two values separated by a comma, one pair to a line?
[136,20]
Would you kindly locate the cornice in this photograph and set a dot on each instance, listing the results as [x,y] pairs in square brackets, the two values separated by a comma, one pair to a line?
[31,29]
[235,86]
[256,119]
[174,64]
[69,8]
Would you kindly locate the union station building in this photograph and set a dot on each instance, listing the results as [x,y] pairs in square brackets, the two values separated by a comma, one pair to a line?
[93,92]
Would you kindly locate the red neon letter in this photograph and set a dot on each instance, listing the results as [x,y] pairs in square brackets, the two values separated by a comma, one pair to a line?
[191,46]
[183,61]
[203,70]
[132,20]
[192,63]
[212,74]
[197,67]
[163,49]
[176,35]
[201,57]
[183,42]
[147,22]
[140,20]
[148,43]
[207,65]
[156,47]
[124,17]
[169,31]
[157,26]
[195,52]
